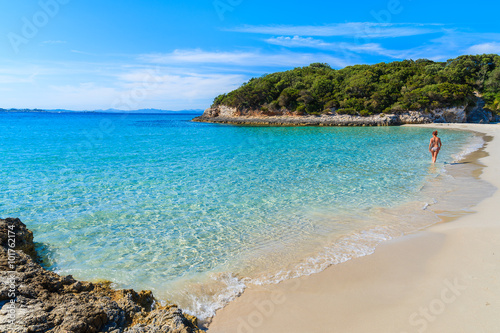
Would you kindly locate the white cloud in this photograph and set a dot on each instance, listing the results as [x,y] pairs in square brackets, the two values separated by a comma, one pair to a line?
[160,84]
[347,49]
[352,29]
[249,59]
[310,42]
[484,48]
[84,53]
[129,87]
[182,79]
[451,44]
[456,42]
[15,75]
[297,41]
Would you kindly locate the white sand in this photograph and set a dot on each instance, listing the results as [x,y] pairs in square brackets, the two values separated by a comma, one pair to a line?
[444,279]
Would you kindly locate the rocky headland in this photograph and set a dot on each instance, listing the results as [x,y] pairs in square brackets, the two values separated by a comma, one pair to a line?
[464,89]
[33,299]
[230,115]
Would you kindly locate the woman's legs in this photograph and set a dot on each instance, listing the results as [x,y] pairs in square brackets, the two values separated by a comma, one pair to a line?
[435,155]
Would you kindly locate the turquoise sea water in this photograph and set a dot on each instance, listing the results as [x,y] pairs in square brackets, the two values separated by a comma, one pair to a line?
[159,202]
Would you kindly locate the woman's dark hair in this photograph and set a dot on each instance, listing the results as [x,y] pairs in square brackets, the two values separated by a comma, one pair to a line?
[435,133]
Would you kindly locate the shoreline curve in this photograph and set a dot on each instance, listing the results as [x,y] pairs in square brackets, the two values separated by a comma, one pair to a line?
[390,290]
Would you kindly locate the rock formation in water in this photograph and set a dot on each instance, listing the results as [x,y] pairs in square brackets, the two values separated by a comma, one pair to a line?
[33,299]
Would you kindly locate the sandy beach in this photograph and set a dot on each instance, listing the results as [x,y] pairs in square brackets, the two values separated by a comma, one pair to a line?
[442,279]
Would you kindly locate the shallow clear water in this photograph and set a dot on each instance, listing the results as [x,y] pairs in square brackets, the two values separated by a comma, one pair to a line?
[159,202]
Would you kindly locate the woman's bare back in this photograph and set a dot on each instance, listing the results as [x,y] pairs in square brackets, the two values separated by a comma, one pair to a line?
[435,142]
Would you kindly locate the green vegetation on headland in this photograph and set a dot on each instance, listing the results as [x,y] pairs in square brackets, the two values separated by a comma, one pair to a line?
[394,87]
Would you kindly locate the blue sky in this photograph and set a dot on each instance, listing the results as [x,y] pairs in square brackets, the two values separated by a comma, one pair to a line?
[85,55]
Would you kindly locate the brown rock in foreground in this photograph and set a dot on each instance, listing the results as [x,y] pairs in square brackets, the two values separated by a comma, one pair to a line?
[33,299]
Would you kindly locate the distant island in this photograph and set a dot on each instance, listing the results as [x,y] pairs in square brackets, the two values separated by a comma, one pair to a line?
[22,110]
[141,111]
[464,89]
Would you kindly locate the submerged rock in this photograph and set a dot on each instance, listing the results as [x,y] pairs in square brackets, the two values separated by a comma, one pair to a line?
[33,299]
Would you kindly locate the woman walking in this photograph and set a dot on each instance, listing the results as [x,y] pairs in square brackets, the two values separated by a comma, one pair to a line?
[435,146]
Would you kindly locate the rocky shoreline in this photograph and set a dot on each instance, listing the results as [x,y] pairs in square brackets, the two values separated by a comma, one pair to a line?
[323,120]
[33,299]
[228,115]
